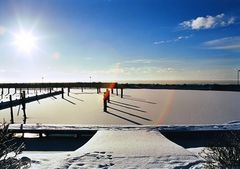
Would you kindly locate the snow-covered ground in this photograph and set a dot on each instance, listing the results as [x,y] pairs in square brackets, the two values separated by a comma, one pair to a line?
[138,106]
[121,148]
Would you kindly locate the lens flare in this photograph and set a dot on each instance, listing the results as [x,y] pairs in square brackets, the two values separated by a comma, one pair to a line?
[25,41]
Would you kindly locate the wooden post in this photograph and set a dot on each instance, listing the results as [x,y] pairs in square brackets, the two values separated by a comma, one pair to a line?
[24,106]
[2,91]
[112,90]
[82,89]
[50,90]
[117,91]
[15,91]
[121,92]
[108,95]
[27,90]
[8,91]
[105,98]
[68,90]
[62,93]
[11,109]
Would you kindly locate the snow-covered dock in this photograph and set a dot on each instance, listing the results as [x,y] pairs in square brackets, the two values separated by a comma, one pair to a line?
[55,128]
[122,148]
[198,135]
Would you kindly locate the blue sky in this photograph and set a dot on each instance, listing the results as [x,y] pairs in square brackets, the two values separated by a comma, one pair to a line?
[112,40]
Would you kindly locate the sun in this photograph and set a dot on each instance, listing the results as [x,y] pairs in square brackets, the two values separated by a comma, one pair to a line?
[25,41]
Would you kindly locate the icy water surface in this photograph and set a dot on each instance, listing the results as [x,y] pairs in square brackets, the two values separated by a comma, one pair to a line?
[139,106]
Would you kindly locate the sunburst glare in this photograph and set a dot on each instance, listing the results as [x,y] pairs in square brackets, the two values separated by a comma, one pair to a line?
[25,41]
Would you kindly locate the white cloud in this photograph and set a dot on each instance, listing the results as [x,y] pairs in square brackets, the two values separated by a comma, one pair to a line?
[208,22]
[139,61]
[179,38]
[2,30]
[227,43]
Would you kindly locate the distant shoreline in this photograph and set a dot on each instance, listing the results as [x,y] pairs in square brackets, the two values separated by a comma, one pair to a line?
[215,87]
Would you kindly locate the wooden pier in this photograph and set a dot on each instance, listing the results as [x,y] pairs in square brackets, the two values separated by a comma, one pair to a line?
[200,135]
[12,103]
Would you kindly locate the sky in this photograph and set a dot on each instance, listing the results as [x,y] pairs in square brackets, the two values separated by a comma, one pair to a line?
[115,40]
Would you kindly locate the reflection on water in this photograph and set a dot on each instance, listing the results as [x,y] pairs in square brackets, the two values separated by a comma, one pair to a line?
[139,106]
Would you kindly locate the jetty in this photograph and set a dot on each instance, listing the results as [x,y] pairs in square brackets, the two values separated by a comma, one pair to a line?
[200,135]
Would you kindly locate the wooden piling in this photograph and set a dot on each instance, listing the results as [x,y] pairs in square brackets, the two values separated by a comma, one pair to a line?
[121,92]
[108,95]
[11,109]
[105,98]
[68,90]
[62,93]
[24,106]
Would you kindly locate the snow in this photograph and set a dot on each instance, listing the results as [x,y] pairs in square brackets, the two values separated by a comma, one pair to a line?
[200,127]
[138,106]
[122,148]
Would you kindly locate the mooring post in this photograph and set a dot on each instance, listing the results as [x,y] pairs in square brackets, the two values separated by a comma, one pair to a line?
[68,90]
[62,93]
[105,98]
[108,95]
[11,109]
[24,106]
[121,92]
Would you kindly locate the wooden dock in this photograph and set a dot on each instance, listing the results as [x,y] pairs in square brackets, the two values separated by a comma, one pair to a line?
[8,104]
[200,135]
